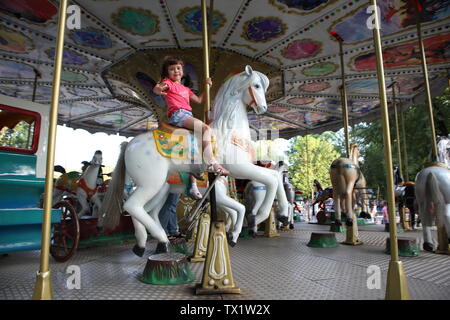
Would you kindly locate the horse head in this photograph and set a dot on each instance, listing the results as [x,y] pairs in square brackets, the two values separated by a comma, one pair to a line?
[97,158]
[255,95]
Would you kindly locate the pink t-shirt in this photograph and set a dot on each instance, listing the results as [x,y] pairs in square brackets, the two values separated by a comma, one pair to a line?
[177,97]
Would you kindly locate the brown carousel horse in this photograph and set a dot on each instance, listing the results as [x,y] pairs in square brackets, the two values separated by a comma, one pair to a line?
[347,180]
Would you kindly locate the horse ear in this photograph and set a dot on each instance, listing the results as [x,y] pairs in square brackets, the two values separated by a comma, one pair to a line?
[248,70]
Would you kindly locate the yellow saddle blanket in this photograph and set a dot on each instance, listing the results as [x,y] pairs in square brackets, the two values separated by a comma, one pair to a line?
[178,146]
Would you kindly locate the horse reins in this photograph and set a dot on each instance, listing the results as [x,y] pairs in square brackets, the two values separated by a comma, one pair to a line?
[252,95]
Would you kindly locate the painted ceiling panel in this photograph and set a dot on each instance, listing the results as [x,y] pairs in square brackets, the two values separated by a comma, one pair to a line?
[111,64]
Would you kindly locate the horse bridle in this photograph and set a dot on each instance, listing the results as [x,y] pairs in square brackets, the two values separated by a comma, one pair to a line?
[252,95]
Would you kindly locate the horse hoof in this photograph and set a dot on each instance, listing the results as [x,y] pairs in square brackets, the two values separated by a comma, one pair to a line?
[138,250]
[284,221]
[162,247]
[349,222]
[230,239]
[291,226]
[428,247]
[252,233]
[338,223]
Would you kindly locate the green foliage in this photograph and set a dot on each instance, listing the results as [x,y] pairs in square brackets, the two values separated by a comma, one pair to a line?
[17,137]
[310,158]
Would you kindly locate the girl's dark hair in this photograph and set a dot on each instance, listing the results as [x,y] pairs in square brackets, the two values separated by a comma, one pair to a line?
[169,61]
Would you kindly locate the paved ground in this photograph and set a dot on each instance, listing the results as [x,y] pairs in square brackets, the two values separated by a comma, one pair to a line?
[264,268]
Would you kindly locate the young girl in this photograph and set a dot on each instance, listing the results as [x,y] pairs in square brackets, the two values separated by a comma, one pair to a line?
[179,111]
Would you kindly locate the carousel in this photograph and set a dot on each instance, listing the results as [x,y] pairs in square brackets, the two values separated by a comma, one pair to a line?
[257,72]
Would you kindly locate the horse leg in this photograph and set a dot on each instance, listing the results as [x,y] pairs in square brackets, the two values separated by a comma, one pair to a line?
[426,219]
[337,208]
[446,217]
[157,203]
[236,212]
[135,207]
[141,237]
[258,197]
[283,205]
[349,196]
[82,199]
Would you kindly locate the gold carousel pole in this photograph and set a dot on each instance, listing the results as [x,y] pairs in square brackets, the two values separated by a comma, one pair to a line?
[405,155]
[43,286]
[402,213]
[217,275]
[427,83]
[343,91]
[397,286]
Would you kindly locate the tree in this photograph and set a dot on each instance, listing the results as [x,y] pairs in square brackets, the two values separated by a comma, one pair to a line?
[17,137]
[310,158]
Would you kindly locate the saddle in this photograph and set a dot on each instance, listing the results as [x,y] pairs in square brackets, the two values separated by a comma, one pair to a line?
[179,145]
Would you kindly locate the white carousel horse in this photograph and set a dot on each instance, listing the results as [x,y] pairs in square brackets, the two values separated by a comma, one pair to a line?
[84,186]
[254,195]
[433,197]
[149,169]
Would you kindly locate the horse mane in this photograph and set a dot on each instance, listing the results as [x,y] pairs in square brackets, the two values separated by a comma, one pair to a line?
[227,101]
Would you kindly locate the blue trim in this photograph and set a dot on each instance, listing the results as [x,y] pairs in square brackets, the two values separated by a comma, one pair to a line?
[259,188]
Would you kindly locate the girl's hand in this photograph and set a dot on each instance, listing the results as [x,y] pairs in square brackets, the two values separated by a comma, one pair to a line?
[160,88]
[209,82]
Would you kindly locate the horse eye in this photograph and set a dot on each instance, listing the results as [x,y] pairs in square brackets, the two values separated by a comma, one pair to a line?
[257,86]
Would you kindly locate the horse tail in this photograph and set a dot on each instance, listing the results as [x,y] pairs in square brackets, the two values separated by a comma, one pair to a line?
[112,202]
[433,195]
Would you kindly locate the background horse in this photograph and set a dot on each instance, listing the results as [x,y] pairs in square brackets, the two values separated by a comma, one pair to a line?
[149,169]
[344,175]
[255,193]
[433,196]
[84,186]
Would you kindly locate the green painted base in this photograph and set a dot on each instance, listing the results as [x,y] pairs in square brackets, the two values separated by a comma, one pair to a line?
[180,246]
[167,269]
[363,222]
[105,240]
[406,247]
[297,219]
[335,228]
[323,240]
[244,233]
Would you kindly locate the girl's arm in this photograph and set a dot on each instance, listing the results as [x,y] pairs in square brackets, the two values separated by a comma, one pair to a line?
[199,99]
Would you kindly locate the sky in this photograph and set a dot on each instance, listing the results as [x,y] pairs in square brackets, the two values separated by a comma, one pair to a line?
[75,146]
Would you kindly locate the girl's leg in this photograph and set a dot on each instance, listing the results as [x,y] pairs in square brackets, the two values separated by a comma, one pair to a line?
[194,189]
[193,123]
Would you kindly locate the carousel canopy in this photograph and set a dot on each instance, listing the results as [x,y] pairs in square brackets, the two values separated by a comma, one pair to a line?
[113,60]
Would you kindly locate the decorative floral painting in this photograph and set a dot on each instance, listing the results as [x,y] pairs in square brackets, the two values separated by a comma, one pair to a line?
[31,10]
[136,21]
[319,69]
[15,70]
[300,6]
[277,109]
[314,119]
[75,109]
[91,38]
[300,101]
[191,20]
[13,41]
[437,50]
[302,49]
[69,56]
[263,29]
[314,87]
[396,15]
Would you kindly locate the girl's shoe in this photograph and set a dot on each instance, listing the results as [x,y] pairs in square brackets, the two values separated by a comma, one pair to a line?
[195,193]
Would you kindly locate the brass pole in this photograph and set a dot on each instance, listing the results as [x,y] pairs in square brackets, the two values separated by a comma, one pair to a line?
[344,104]
[43,287]
[427,86]
[397,131]
[207,98]
[405,155]
[397,287]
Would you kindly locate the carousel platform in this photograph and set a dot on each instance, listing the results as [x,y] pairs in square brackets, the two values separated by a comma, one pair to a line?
[280,268]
